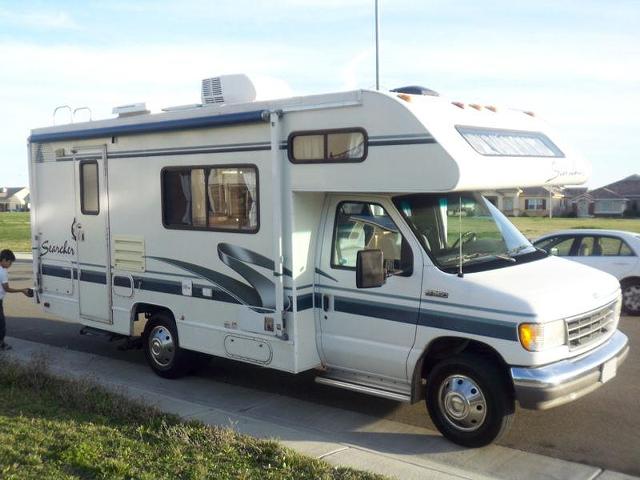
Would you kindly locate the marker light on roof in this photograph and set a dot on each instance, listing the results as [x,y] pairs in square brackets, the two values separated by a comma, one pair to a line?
[530,113]
[458,104]
[405,97]
[476,106]
[491,108]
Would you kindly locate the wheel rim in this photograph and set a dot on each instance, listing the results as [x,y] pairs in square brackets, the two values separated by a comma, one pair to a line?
[462,403]
[631,298]
[161,346]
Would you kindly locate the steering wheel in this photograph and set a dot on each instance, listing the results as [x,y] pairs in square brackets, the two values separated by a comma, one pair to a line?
[465,237]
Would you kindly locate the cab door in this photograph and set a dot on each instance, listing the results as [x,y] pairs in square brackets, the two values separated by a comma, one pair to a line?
[372,330]
[91,232]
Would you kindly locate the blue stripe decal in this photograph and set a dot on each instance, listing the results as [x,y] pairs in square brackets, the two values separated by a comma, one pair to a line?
[398,313]
[142,153]
[93,277]
[474,325]
[305,302]
[152,127]
[387,311]
[415,141]
[434,302]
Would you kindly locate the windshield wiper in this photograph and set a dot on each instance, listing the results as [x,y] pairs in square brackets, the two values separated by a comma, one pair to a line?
[476,256]
[515,250]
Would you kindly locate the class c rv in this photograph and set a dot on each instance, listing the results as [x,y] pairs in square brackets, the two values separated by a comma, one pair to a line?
[343,233]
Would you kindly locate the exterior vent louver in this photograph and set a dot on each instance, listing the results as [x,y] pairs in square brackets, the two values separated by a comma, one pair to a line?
[128,253]
[227,89]
[212,91]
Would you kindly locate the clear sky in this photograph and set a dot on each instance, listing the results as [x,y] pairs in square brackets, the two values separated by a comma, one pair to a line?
[575,63]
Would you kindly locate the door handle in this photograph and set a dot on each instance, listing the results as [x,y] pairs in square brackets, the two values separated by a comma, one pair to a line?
[79,231]
[326,300]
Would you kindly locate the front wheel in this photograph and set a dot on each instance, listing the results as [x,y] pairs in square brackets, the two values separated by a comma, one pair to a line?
[162,349]
[469,400]
[631,298]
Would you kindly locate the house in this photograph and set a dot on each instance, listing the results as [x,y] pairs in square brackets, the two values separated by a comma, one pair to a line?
[614,199]
[14,199]
[533,201]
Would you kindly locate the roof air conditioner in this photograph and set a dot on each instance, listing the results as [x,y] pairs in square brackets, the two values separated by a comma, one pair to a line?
[236,88]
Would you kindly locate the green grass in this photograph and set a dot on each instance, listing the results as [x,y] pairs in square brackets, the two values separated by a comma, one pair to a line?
[15,228]
[60,429]
[533,227]
[15,231]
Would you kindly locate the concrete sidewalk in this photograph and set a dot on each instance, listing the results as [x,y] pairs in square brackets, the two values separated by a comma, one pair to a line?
[337,436]
[23,256]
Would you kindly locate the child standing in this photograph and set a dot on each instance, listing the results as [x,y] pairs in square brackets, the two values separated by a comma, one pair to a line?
[6,260]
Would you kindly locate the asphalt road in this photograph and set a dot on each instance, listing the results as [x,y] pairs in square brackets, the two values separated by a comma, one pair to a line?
[601,429]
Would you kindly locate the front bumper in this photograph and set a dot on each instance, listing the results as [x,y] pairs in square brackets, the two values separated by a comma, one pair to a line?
[551,385]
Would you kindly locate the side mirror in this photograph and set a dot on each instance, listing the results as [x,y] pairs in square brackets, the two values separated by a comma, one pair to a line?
[370,269]
[554,251]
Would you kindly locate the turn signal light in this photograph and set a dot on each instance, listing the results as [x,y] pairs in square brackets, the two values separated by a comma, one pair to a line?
[537,337]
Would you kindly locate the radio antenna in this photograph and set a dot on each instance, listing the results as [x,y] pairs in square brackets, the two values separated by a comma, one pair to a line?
[377,48]
[460,274]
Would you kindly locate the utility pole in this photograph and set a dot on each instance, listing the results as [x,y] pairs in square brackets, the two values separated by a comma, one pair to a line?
[377,49]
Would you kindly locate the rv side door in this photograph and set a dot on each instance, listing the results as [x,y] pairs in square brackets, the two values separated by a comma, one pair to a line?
[90,230]
[367,330]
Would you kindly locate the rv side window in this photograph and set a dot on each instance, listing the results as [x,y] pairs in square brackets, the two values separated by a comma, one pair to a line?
[211,198]
[89,191]
[360,226]
[331,146]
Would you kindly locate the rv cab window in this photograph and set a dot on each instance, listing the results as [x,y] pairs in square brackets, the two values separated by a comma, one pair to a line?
[360,226]
[221,198]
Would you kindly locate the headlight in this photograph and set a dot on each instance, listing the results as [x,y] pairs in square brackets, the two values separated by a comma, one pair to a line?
[618,311]
[537,337]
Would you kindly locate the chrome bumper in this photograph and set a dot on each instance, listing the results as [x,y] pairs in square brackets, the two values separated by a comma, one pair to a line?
[551,385]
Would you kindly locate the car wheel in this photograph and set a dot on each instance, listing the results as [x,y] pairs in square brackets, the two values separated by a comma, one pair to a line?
[469,400]
[631,298]
[162,348]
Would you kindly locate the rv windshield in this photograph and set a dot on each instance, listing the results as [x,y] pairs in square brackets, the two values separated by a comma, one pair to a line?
[465,228]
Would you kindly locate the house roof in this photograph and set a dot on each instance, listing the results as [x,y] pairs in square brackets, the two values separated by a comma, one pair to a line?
[574,192]
[628,187]
[605,193]
[8,192]
[542,192]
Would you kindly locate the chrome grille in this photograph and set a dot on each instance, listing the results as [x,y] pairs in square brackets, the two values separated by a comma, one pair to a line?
[588,328]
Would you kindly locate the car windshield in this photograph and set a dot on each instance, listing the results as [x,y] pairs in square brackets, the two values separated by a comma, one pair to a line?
[463,228]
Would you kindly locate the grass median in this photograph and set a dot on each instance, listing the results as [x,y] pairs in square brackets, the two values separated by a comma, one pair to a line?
[65,429]
[15,231]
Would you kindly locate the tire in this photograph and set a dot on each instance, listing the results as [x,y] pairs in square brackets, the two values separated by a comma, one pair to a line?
[631,297]
[469,400]
[162,348]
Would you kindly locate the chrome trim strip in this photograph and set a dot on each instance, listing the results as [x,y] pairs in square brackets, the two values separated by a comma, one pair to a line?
[376,392]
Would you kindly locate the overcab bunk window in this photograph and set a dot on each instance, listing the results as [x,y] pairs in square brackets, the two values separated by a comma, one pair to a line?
[511,143]
[328,146]
[221,198]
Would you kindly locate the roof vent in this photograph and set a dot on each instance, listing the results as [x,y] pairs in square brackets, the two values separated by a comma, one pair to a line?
[236,88]
[416,90]
[131,110]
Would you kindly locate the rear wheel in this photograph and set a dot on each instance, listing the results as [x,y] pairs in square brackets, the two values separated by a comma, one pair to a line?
[162,348]
[631,297]
[469,400]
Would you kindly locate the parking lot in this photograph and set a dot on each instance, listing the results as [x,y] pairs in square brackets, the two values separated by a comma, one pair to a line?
[602,429]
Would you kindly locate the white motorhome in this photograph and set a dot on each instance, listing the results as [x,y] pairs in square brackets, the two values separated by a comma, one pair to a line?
[337,232]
